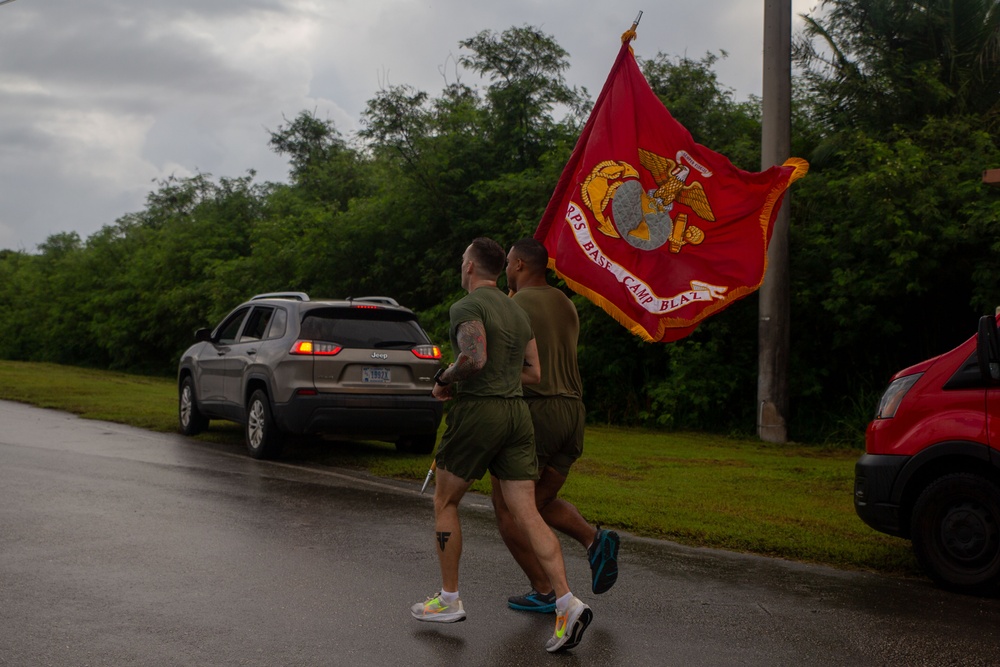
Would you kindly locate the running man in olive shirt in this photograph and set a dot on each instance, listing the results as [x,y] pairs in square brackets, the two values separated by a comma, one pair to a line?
[489,428]
[558,414]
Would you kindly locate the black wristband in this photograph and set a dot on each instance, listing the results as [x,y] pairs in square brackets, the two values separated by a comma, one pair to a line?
[437,378]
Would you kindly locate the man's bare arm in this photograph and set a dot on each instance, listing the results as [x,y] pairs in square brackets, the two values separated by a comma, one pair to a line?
[471,358]
[531,372]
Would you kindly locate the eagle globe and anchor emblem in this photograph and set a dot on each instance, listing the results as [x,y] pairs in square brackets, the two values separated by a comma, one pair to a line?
[642,218]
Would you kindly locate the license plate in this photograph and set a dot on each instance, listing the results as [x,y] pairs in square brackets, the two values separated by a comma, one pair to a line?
[375,374]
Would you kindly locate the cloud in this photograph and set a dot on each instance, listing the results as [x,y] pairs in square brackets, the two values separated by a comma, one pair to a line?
[97,100]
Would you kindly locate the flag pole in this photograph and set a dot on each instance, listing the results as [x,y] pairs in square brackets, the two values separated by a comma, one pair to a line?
[775,296]
[629,34]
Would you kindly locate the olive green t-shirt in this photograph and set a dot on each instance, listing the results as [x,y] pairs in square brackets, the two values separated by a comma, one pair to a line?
[508,331]
[557,329]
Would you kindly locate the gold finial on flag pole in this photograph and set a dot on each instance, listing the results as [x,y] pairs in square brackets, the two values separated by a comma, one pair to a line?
[629,34]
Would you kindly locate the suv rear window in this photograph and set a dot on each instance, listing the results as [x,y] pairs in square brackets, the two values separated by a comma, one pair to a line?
[364,328]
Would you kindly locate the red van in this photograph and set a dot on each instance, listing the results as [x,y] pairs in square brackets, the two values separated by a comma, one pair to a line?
[931,471]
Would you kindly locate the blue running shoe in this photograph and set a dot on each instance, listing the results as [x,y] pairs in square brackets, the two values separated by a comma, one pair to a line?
[603,557]
[533,601]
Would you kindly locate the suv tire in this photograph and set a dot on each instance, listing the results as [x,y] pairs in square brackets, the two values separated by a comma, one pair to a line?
[956,532]
[262,436]
[416,444]
[192,422]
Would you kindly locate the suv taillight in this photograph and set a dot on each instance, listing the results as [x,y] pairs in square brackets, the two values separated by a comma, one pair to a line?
[317,349]
[427,351]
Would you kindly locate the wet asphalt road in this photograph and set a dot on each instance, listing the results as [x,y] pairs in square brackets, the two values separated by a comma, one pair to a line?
[124,547]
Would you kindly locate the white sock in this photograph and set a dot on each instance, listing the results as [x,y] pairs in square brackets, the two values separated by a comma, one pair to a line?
[448,597]
[564,601]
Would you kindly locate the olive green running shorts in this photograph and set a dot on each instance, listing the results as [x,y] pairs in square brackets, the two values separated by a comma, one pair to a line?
[559,423]
[492,434]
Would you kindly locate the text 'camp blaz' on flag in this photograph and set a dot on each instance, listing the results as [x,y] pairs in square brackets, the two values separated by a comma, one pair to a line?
[654,228]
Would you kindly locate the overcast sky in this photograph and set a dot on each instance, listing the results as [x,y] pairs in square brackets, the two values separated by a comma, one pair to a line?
[101,98]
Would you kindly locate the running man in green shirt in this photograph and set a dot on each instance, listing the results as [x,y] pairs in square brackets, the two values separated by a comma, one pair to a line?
[558,415]
[489,428]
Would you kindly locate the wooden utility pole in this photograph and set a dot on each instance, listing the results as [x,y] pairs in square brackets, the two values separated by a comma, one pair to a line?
[776,146]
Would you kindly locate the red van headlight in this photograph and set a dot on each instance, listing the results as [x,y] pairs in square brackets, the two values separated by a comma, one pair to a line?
[894,394]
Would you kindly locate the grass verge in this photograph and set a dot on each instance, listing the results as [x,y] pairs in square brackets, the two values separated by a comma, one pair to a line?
[787,500]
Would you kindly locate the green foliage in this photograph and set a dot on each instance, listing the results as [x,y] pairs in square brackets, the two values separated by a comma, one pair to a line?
[873,64]
[525,68]
[893,235]
[701,382]
[323,168]
[894,248]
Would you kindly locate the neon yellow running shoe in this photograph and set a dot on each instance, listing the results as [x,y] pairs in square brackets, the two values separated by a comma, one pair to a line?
[435,610]
[570,624]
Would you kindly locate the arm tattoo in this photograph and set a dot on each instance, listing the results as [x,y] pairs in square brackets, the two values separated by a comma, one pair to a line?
[471,338]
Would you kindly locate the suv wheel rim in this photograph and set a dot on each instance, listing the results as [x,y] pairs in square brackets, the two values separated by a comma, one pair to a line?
[255,424]
[186,405]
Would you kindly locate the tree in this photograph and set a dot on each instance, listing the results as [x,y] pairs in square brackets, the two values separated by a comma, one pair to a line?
[894,244]
[322,164]
[525,68]
[878,63]
[894,256]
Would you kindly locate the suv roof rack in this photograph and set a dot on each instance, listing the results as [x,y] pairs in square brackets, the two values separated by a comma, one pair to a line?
[387,300]
[297,296]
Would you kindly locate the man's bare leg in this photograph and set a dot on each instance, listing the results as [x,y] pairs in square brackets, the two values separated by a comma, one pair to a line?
[557,513]
[448,491]
[519,498]
[572,614]
[517,542]
[446,606]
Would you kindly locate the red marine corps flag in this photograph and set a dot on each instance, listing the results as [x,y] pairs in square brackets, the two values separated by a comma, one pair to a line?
[657,230]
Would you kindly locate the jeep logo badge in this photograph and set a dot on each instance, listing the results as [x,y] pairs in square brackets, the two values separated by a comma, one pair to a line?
[379,355]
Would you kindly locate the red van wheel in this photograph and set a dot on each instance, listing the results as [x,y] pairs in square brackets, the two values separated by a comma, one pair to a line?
[956,532]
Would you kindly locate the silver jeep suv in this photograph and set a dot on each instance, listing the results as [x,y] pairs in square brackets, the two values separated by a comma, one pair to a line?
[282,363]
